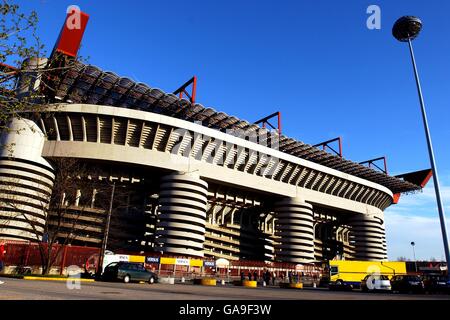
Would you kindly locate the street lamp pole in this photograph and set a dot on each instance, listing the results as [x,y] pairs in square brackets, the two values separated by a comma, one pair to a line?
[414,255]
[106,232]
[406,29]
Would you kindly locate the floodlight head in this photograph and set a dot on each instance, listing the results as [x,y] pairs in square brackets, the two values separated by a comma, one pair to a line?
[406,28]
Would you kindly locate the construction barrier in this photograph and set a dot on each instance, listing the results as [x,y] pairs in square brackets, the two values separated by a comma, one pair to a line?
[167,280]
[206,281]
[291,285]
[246,283]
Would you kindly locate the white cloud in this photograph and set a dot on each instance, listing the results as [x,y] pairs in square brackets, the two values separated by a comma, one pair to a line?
[424,231]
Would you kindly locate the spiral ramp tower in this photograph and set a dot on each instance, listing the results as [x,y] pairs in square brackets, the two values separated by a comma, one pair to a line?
[26,182]
[182,215]
[368,235]
[295,230]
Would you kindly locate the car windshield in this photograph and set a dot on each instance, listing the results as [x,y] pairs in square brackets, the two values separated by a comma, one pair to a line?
[140,267]
[334,271]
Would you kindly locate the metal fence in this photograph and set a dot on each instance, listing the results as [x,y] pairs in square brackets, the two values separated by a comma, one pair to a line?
[24,257]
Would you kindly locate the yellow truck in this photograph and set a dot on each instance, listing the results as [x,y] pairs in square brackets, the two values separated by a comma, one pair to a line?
[349,274]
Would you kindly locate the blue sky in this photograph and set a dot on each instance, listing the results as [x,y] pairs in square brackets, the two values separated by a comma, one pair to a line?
[315,61]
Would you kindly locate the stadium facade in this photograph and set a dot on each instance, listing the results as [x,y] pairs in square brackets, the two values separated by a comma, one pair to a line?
[199,182]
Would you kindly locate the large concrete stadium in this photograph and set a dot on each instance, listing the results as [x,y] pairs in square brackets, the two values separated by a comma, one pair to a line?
[200,182]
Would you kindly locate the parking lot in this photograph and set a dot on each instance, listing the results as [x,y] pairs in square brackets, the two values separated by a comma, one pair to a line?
[18,289]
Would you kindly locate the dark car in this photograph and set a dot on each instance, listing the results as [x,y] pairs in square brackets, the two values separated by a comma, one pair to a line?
[436,284]
[127,272]
[407,283]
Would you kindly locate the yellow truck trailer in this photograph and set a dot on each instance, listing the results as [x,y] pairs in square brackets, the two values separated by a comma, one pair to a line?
[350,273]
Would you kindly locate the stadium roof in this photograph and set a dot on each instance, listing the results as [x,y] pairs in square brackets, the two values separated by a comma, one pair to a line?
[88,84]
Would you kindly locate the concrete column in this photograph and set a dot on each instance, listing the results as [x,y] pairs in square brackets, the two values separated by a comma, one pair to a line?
[232,215]
[77,197]
[295,229]
[182,215]
[368,236]
[26,181]
[266,223]
[30,81]
[213,221]
[94,194]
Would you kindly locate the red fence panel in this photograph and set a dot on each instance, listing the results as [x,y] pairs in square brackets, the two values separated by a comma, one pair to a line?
[79,255]
[28,254]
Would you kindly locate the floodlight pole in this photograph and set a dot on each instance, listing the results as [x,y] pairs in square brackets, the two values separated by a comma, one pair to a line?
[432,160]
[414,255]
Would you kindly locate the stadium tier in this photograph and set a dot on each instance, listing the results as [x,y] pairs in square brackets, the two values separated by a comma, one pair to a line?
[175,177]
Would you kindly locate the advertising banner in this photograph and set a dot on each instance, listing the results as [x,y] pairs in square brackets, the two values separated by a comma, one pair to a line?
[182,262]
[210,264]
[151,259]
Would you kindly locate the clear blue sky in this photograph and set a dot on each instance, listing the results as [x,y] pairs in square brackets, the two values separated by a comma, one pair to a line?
[315,61]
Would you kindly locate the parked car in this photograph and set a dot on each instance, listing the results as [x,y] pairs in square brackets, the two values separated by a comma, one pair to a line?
[375,283]
[407,283]
[436,284]
[340,285]
[127,272]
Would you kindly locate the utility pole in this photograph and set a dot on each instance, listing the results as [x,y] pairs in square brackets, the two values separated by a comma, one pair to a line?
[106,233]
[414,255]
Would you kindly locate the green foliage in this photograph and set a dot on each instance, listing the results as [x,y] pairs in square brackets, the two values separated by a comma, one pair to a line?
[18,42]
[18,34]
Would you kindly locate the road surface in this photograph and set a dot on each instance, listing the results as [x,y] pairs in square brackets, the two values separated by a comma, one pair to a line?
[18,289]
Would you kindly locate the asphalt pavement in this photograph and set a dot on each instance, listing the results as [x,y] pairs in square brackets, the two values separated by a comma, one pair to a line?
[19,289]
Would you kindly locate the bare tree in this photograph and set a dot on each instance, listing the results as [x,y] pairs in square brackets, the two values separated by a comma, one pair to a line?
[77,188]
[402,259]
[67,205]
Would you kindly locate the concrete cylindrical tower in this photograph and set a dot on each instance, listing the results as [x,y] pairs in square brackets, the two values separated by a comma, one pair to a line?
[182,214]
[30,81]
[26,182]
[368,235]
[295,229]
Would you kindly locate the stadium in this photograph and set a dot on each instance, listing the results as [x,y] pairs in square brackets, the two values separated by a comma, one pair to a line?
[199,182]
